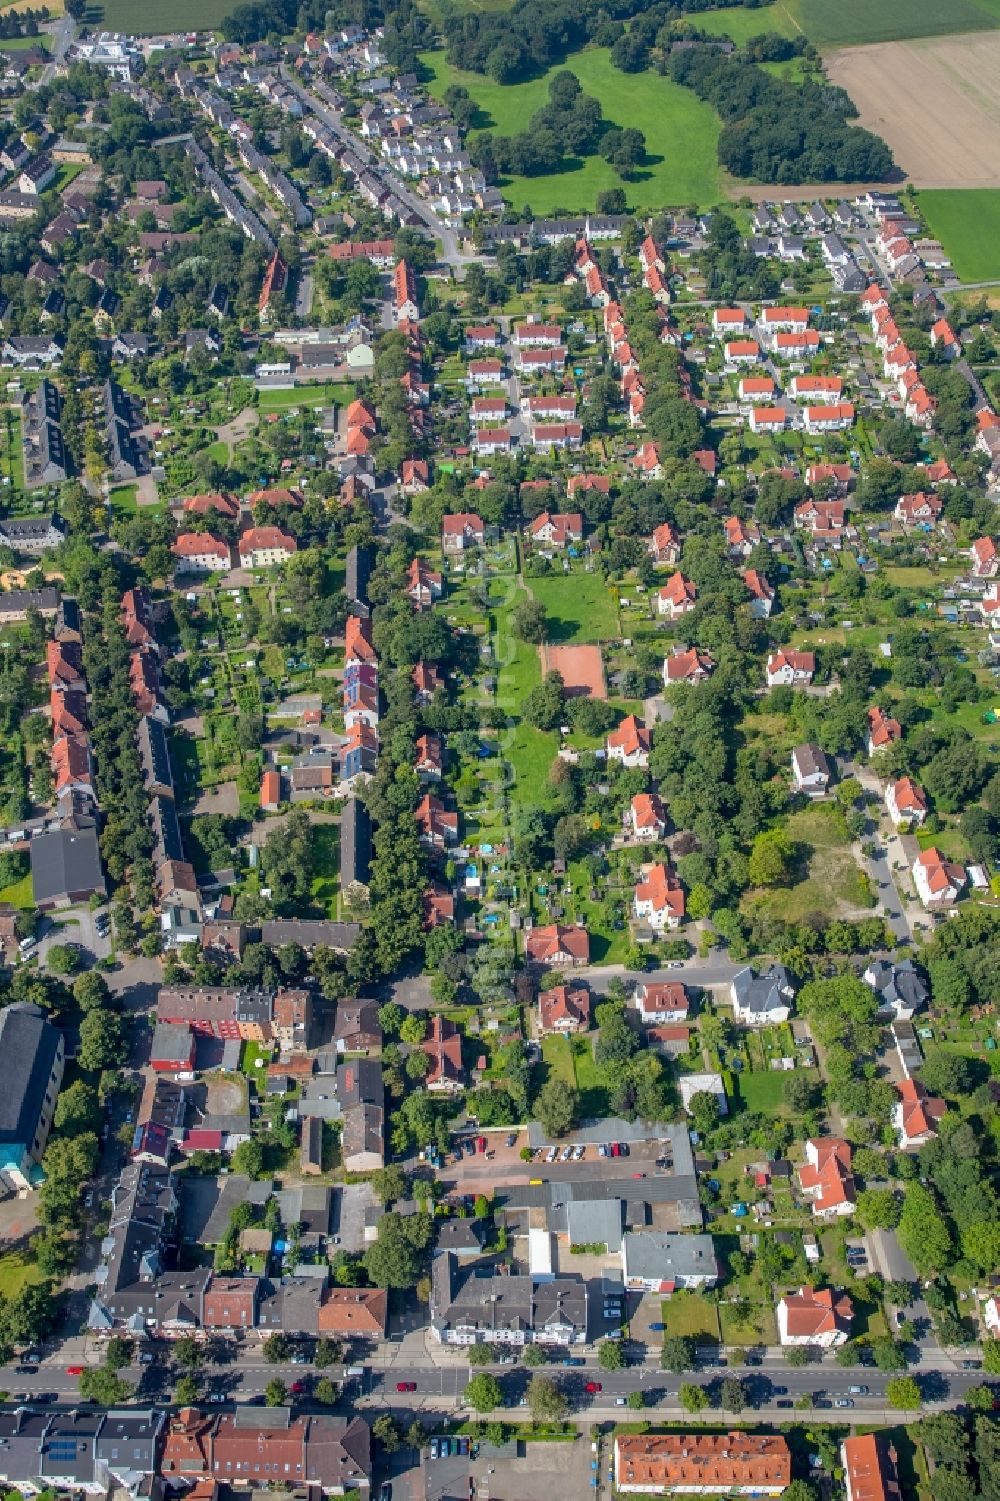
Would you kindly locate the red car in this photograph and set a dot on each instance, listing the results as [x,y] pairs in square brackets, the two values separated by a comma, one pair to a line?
[74,1370]
[481,1144]
[297,1387]
[406,1386]
[616,1150]
[593,1386]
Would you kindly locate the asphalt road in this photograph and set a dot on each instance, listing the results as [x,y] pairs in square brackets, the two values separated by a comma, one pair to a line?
[440,1388]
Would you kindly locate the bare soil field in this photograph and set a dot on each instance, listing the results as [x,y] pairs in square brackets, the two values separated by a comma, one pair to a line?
[935,101]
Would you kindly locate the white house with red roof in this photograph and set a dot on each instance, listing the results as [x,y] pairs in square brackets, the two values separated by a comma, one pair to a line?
[741,536]
[423,584]
[629,745]
[481,336]
[755,390]
[824,518]
[944,335]
[985,558]
[687,665]
[728,320]
[882,730]
[564,1008]
[815,388]
[658,900]
[557,529]
[536,335]
[562,947]
[915,1115]
[838,475]
[488,411]
[462,530]
[791,669]
[761,594]
[774,320]
[493,440]
[836,417]
[647,461]
[436,826]
[921,509]
[677,597]
[906,802]
[665,544]
[646,819]
[939,882]
[742,352]
[200,552]
[815,1317]
[826,1177]
[795,345]
[660,1002]
[545,436]
[768,419]
[264,546]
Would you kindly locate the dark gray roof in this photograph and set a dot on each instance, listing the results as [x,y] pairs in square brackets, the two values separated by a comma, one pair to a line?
[341,936]
[167,843]
[764,992]
[355,844]
[897,983]
[171,1043]
[65,861]
[28,1046]
[154,754]
[478,1296]
[14,601]
[359,568]
[811,760]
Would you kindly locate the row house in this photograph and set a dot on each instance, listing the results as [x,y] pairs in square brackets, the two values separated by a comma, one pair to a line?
[795,344]
[461,531]
[405,304]
[536,336]
[489,441]
[548,435]
[741,352]
[724,1464]
[542,359]
[728,320]
[488,411]
[200,552]
[756,391]
[775,320]
[834,418]
[560,408]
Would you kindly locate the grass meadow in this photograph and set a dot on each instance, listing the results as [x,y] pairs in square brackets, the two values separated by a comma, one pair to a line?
[681,134]
[967,222]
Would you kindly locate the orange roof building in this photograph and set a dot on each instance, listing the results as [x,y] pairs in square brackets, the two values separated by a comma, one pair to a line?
[811,1317]
[870,1472]
[826,1177]
[757,1464]
[916,1114]
[564,1008]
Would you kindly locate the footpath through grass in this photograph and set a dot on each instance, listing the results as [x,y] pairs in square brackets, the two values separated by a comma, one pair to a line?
[681,134]
[967,222]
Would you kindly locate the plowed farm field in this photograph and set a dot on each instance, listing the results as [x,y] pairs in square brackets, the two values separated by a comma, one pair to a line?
[935,101]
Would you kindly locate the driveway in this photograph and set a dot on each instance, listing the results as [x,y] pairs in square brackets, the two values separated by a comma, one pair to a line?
[222,799]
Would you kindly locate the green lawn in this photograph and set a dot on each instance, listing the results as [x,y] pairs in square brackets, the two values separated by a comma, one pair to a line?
[125,501]
[142,19]
[22,43]
[831,880]
[967,222]
[326,883]
[278,399]
[593,1092]
[764,1092]
[681,134]
[688,1313]
[16,1271]
[19,895]
[580,607]
[747,1326]
[738,23]
[558,1059]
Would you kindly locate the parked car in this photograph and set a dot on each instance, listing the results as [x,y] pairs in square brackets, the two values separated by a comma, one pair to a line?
[74,1370]
[406,1386]
[657,1327]
[512,1139]
[593,1387]
[843,1402]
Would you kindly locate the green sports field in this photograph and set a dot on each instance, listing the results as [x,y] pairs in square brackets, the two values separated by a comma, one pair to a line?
[967,222]
[681,134]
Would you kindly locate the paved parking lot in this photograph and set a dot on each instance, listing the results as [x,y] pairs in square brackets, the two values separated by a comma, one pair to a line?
[513,1472]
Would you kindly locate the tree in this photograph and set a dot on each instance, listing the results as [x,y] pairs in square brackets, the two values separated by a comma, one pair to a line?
[414,1029]
[610,1356]
[772,859]
[878,1209]
[693,1398]
[389,1183]
[903,1393]
[416,1435]
[547,1400]
[90,991]
[888,1354]
[556,1107]
[277,1349]
[797,1355]
[78,1109]
[534,1355]
[104,1386]
[980,1398]
[733,1397]
[187,1352]
[923,1233]
[848,1355]
[325,1391]
[480,1354]
[118,1353]
[530,620]
[249,1159]
[275,1393]
[636,1401]
[328,1352]
[187,1390]
[386,1430]
[703,1109]
[62,959]
[102,1041]
[483,1392]
[677,1354]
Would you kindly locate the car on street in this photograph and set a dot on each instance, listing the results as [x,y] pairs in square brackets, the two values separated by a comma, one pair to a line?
[481,1144]
[593,1387]
[780,1391]
[26,1370]
[297,1388]
[45,1397]
[385,1494]
[216,1397]
[844,1402]
[74,1370]
[785,1402]
[406,1386]
[972,1365]
[657,1327]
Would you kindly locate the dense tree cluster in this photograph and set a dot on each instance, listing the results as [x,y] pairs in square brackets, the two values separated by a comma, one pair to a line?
[777,132]
[568,126]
